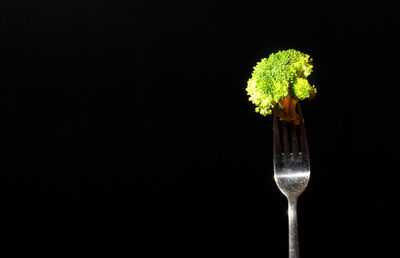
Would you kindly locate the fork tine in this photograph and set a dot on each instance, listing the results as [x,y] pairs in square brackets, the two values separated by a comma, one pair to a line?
[277,143]
[303,136]
[285,137]
[293,136]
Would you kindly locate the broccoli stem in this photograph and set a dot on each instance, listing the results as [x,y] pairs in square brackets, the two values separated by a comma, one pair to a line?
[286,110]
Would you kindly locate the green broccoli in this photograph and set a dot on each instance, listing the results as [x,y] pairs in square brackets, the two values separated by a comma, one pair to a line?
[279,82]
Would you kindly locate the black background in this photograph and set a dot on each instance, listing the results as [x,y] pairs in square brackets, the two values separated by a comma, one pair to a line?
[128,122]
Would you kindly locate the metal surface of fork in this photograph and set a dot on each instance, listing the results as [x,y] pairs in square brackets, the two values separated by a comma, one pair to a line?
[291,170]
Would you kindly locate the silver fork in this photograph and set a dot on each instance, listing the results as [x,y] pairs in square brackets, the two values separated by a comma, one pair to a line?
[291,171]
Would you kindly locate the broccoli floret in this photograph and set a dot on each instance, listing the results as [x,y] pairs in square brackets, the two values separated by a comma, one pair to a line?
[279,82]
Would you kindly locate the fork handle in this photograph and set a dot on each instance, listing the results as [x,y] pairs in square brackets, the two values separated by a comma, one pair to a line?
[293,231]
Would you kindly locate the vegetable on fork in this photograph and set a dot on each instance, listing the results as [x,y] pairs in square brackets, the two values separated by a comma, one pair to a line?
[279,82]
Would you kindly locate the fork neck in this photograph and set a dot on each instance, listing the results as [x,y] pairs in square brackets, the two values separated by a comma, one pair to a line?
[292,209]
[293,231]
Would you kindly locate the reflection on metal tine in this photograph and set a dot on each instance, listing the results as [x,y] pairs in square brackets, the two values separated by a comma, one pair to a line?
[285,137]
[276,142]
[303,136]
[293,136]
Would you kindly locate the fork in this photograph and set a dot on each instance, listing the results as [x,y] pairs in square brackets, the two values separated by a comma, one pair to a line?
[291,171]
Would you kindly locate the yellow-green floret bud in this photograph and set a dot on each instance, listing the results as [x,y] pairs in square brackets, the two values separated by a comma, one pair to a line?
[281,75]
